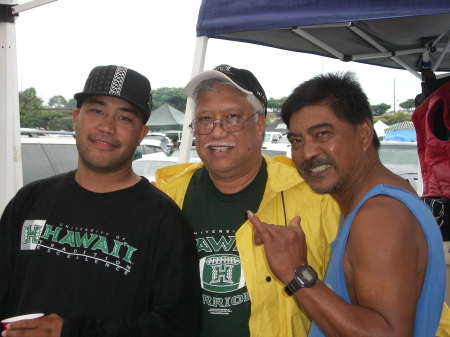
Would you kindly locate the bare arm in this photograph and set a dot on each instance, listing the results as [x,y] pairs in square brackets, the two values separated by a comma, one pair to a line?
[381,265]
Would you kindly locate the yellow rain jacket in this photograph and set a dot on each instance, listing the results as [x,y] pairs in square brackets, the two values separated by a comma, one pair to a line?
[273,313]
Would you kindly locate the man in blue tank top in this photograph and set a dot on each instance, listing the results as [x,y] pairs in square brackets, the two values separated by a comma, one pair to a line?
[386,275]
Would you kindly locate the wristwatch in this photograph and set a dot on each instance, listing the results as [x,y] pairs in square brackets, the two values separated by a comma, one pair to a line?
[305,277]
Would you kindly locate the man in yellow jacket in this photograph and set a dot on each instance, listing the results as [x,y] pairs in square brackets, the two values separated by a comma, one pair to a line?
[241,296]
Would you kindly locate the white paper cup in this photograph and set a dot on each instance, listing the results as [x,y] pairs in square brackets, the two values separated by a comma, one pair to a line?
[6,321]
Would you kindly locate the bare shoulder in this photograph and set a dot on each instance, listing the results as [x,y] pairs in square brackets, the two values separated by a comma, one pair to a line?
[383,216]
[385,239]
[383,230]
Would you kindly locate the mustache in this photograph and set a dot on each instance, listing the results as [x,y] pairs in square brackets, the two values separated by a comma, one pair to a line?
[315,163]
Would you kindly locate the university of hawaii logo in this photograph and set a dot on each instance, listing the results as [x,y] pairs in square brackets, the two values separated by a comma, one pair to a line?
[221,273]
[82,244]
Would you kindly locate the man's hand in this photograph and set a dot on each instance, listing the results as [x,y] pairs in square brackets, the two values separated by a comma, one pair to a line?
[47,326]
[285,247]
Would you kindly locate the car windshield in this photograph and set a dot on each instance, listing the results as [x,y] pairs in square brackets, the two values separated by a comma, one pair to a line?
[283,140]
[399,155]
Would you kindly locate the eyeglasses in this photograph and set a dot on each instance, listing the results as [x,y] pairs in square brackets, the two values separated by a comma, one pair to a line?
[228,124]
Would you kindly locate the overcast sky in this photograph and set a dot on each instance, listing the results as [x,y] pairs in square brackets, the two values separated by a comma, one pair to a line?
[59,43]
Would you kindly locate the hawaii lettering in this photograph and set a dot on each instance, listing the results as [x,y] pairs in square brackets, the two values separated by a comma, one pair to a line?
[80,243]
[209,244]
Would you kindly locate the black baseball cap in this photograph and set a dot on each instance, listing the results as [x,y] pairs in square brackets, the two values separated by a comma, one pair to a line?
[242,79]
[120,82]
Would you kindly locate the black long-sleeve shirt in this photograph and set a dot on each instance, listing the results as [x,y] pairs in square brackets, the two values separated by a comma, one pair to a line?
[111,264]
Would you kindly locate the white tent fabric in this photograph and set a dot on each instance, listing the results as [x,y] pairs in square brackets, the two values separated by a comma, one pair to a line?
[380,127]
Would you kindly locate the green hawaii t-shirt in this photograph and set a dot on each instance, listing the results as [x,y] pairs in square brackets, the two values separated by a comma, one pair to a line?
[215,217]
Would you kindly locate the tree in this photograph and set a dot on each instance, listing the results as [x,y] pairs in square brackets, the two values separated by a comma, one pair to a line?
[408,104]
[48,120]
[379,109]
[71,103]
[394,118]
[33,115]
[61,122]
[274,104]
[28,101]
[30,106]
[57,102]
[173,96]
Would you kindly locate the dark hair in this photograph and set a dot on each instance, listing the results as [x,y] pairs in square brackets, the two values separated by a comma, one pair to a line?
[341,92]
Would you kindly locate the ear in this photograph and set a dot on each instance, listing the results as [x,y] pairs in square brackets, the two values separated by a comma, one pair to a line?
[366,133]
[75,114]
[261,126]
[144,131]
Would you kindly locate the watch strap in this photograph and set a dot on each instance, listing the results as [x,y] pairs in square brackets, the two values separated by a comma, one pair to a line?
[298,282]
[292,287]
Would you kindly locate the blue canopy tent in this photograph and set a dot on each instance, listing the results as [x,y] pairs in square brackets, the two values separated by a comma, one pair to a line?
[401,135]
[403,34]
[397,34]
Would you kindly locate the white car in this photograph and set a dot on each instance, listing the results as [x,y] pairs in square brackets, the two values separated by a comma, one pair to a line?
[282,146]
[149,163]
[149,145]
[271,137]
[45,156]
[401,158]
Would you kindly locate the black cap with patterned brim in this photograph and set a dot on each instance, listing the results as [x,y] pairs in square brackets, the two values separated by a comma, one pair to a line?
[120,82]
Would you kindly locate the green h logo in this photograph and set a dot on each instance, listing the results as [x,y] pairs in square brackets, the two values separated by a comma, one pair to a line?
[31,233]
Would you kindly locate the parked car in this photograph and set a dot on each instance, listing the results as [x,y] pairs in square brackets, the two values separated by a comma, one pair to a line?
[47,156]
[401,158]
[149,145]
[158,136]
[280,147]
[271,137]
[148,164]
[46,153]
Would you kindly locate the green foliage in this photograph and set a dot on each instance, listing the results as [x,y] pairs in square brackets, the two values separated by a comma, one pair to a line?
[49,120]
[274,104]
[28,101]
[172,96]
[59,123]
[30,106]
[379,109]
[33,115]
[71,103]
[57,102]
[394,118]
[408,104]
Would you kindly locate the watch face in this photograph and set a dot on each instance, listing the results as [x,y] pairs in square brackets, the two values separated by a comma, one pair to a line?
[307,276]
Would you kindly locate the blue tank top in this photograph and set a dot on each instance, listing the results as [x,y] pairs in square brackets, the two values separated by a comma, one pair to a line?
[429,306]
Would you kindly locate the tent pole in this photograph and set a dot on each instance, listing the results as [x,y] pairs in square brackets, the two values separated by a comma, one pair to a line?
[197,67]
[441,57]
[319,43]
[367,38]
[30,5]
[10,153]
